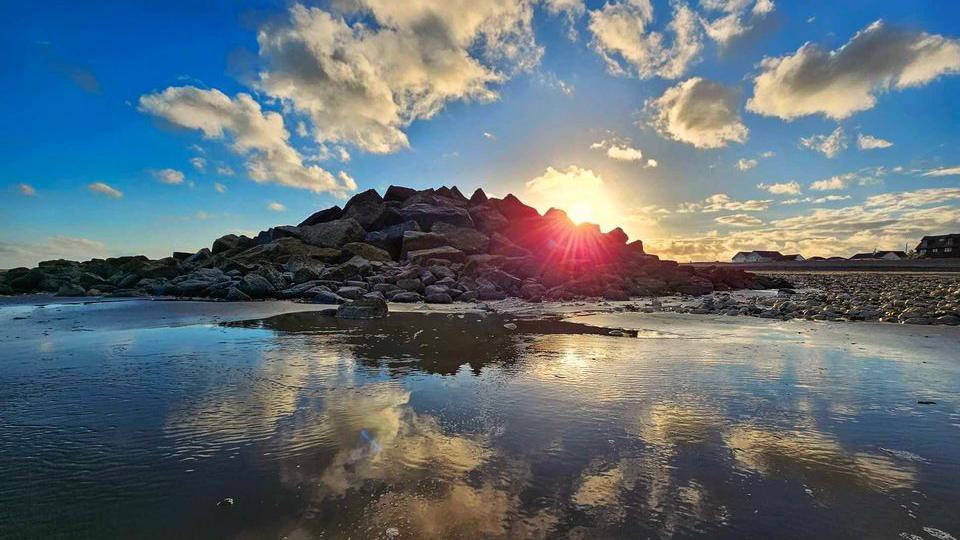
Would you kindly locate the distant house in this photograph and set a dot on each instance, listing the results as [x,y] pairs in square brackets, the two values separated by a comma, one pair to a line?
[946,245]
[757,256]
[880,255]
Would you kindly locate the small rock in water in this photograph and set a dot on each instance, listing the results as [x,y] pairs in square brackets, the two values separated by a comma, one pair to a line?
[510,326]
[925,402]
[392,532]
[364,308]
[225,502]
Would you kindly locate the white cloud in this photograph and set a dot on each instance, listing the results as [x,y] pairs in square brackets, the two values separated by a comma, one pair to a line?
[943,171]
[621,36]
[869,142]
[259,135]
[720,202]
[785,188]
[364,75]
[169,176]
[198,163]
[489,136]
[26,190]
[738,220]
[100,187]
[698,112]
[768,154]
[624,153]
[834,183]
[581,192]
[225,170]
[737,19]
[276,207]
[845,81]
[652,164]
[573,176]
[219,187]
[746,164]
[570,9]
[829,145]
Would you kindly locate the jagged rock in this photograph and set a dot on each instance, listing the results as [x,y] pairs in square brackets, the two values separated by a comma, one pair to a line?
[617,236]
[410,284]
[427,214]
[351,293]
[532,291]
[332,234]
[478,197]
[487,218]
[368,252]
[230,242]
[636,246]
[466,239]
[406,297]
[363,308]
[323,216]
[327,297]
[70,289]
[365,207]
[511,208]
[438,298]
[444,253]
[391,238]
[256,286]
[306,274]
[415,241]
[398,193]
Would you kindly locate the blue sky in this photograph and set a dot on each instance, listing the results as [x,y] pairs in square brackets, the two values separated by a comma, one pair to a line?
[559,102]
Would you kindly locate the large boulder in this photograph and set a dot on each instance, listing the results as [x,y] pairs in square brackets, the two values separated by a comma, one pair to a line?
[466,239]
[445,253]
[286,249]
[256,286]
[426,214]
[332,234]
[511,208]
[391,238]
[323,216]
[230,242]
[363,308]
[415,241]
[398,193]
[368,252]
[488,219]
[365,208]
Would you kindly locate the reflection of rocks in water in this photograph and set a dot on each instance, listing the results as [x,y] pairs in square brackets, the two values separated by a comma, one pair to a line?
[816,458]
[432,342]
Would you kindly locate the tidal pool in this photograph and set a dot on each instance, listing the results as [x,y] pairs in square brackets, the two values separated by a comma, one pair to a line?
[138,419]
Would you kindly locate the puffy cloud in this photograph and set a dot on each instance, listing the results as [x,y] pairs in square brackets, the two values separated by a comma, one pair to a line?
[869,142]
[257,134]
[572,177]
[620,150]
[864,177]
[698,112]
[721,201]
[219,187]
[198,163]
[817,200]
[842,82]
[14,254]
[571,9]
[489,136]
[943,171]
[362,80]
[785,188]
[169,176]
[276,207]
[737,19]
[829,145]
[768,154]
[225,170]
[652,164]
[738,220]
[580,192]
[621,37]
[746,164]
[26,190]
[104,189]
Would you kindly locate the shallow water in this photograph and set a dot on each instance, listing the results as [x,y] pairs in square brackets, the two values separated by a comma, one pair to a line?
[133,419]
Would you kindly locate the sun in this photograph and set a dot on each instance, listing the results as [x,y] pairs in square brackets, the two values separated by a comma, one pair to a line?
[581,212]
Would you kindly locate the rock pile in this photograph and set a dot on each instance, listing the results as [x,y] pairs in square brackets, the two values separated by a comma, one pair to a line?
[874,296]
[434,245]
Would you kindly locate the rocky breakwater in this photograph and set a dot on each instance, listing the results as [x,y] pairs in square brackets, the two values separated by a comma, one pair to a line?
[433,245]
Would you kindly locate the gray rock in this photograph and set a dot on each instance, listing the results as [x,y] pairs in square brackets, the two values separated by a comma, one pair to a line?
[413,284]
[70,289]
[327,297]
[435,289]
[323,216]
[415,241]
[367,251]
[305,274]
[445,253]
[256,286]
[236,295]
[466,239]
[332,234]
[426,214]
[351,293]
[406,297]
[364,308]
[438,298]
